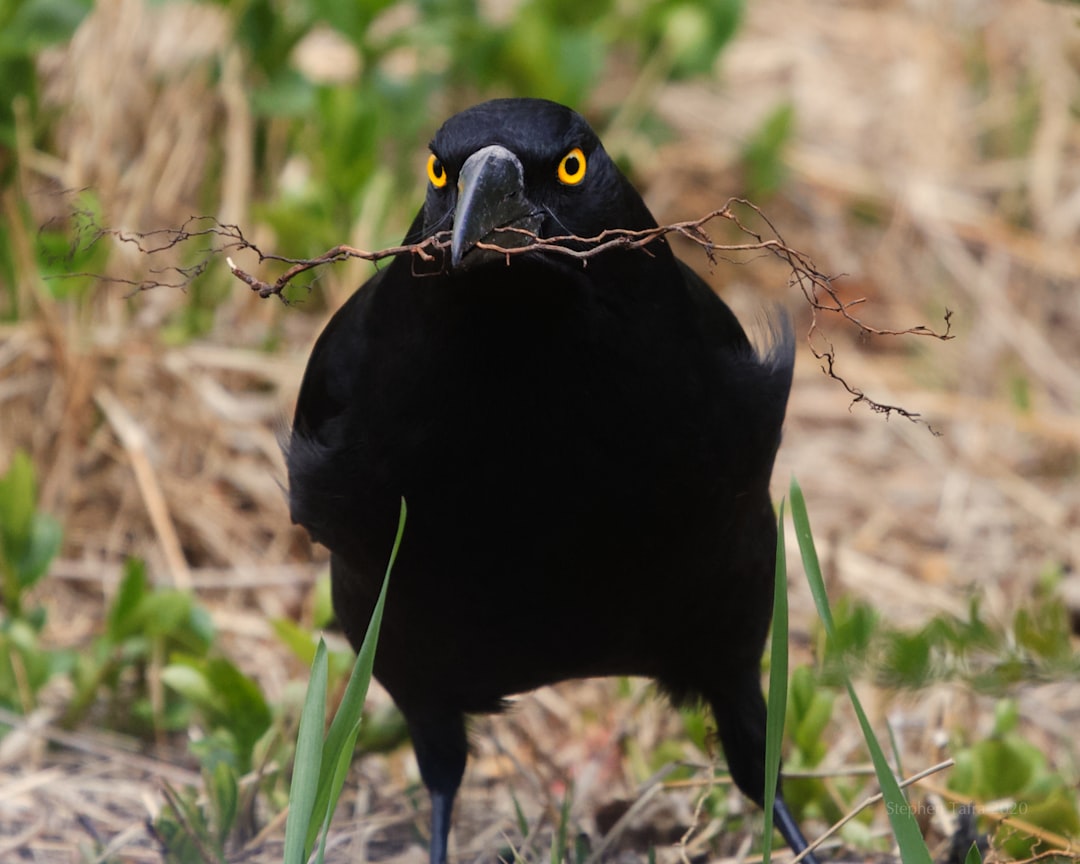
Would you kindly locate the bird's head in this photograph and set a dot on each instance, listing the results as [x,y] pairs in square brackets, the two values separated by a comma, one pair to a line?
[510,170]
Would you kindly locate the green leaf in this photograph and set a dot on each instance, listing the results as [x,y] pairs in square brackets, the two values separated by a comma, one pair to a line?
[692,32]
[543,57]
[1006,716]
[1056,812]
[242,706]
[1045,630]
[973,855]
[802,688]
[44,543]
[20,645]
[697,726]
[337,781]
[160,614]
[572,13]
[383,729]
[307,762]
[287,95]
[855,624]
[778,685]
[163,612]
[225,795]
[519,815]
[962,776]
[132,591]
[37,23]
[190,682]
[346,723]
[1004,767]
[18,494]
[811,724]
[901,816]
[296,639]
[809,558]
[763,154]
[908,660]
[228,699]
[349,19]
[322,605]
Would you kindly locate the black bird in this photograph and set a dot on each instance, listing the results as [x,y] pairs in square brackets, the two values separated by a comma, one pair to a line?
[585,448]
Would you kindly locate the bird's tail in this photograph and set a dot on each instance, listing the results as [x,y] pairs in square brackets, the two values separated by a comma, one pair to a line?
[774,342]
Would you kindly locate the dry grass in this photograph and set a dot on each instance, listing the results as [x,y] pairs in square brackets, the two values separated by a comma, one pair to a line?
[908,114]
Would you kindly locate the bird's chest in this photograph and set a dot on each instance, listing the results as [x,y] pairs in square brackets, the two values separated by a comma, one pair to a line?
[544,391]
[545,443]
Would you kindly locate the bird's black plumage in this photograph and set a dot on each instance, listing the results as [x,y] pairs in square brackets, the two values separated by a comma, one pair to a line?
[585,449]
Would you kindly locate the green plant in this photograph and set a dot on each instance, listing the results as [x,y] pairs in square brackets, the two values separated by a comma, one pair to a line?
[762,155]
[991,656]
[913,848]
[1035,645]
[1006,768]
[29,540]
[321,764]
[326,153]
[208,824]
[778,686]
[27,26]
[155,668]
[229,704]
[303,645]
[562,848]
[344,129]
[809,712]
[384,729]
[144,627]
[195,828]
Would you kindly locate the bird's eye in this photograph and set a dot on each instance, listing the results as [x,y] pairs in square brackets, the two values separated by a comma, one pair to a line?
[436,172]
[572,167]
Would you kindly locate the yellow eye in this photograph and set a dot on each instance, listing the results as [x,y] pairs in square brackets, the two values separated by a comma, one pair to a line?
[572,167]
[436,172]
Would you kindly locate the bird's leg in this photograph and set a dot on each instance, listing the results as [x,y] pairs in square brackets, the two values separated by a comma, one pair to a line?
[787,826]
[740,721]
[442,807]
[441,750]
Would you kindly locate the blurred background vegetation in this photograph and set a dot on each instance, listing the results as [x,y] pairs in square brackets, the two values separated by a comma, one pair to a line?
[159,610]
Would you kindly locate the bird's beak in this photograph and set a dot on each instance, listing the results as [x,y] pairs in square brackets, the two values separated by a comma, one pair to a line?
[491,199]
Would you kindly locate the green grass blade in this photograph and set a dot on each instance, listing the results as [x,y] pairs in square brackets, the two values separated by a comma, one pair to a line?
[341,771]
[894,745]
[811,565]
[345,726]
[778,683]
[901,816]
[558,843]
[306,765]
[519,815]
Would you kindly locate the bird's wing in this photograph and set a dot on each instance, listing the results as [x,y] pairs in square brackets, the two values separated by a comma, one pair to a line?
[716,322]
[757,378]
[325,416]
[328,380]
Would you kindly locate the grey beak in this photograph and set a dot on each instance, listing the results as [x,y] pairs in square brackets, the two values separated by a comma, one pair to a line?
[491,196]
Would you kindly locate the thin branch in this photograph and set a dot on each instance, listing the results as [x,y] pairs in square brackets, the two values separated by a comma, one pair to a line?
[432,255]
[873,799]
